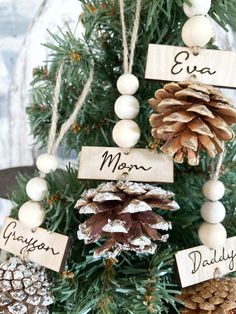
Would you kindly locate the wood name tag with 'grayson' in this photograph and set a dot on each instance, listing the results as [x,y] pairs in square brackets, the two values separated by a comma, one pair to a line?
[171,63]
[39,246]
[111,163]
[201,263]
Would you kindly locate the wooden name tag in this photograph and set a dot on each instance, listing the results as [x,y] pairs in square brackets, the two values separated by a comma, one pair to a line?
[39,246]
[170,63]
[111,163]
[200,263]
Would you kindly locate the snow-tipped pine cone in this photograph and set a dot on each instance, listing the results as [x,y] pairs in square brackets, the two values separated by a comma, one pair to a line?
[122,214]
[25,288]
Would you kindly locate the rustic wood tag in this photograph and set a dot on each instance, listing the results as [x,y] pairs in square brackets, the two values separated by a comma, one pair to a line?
[39,246]
[111,163]
[170,63]
[201,263]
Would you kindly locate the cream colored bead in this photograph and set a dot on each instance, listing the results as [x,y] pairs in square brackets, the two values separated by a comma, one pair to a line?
[126,133]
[127,107]
[197,31]
[127,84]
[37,189]
[213,190]
[198,7]
[47,163]
[212,235]
[31,214]
[213,212]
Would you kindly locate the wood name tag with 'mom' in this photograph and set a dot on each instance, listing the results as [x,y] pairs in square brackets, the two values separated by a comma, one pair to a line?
[171,63]
[39,246]
[201,263]
[111,163]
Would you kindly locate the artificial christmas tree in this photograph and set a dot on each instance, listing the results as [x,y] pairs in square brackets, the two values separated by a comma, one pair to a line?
[131,283]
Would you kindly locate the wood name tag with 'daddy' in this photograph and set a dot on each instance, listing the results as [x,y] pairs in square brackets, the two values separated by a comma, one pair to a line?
[111,163]
[171,63]
[40,246]
[200,263]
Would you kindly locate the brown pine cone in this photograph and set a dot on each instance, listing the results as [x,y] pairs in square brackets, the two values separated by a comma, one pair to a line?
[190,117]
[215,296]
[122,214]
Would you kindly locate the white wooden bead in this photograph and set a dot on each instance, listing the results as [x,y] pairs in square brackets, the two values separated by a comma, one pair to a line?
[31,214]
[212,235]
[47,163]
[198,7]
[197,31]
[213,212]
[127,84]
[127,107]
[37,189]
[213,190]
[126,133]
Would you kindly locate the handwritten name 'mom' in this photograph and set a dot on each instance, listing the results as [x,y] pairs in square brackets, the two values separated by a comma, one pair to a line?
[116,163]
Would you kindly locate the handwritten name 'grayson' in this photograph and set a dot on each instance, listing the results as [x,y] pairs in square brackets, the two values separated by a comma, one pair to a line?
[115,163]
[179,66]
[31,244]
[198,260]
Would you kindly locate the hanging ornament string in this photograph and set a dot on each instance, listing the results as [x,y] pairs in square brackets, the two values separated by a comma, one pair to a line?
[129,58]
[126,132]
[56,98]
[54,141]
[32,213]
[216,167]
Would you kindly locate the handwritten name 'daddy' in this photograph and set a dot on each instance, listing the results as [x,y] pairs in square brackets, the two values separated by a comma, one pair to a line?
[198,261]
[28,244]
[115,163]
[180,65]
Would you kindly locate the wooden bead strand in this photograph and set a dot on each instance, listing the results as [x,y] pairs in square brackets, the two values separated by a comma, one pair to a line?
[32,213]
[212,233]
[126,132]
[197,30]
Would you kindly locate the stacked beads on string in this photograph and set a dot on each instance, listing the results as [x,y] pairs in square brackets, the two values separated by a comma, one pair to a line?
[197,30]
[126,132]
[212,233]
[32,213]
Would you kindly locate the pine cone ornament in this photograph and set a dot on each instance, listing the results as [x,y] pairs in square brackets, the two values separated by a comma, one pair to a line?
[122,214]
[24,288]
[216,296]
[190,117]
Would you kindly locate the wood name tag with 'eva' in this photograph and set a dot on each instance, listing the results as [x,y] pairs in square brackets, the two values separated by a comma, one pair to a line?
[171,63]
[201,263]
[111,163]
[40,246]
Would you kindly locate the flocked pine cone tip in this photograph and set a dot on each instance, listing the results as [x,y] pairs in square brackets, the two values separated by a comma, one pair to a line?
[24,288]
[189,117]
[215,296]
[122,215]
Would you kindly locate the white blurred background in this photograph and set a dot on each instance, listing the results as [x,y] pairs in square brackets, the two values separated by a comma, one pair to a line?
[23,27]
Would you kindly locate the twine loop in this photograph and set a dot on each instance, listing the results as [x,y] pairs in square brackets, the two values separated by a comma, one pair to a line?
[129,55]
